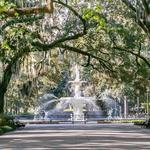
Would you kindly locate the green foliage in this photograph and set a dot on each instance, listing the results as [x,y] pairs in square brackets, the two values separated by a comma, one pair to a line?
[7,123]
[4,6]
[6,120]
[112,36]
[136,122]
[93,15]
[59,91]
[1,131]
[6,128]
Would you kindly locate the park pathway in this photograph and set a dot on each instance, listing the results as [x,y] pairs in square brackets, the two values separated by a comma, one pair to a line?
[78,136]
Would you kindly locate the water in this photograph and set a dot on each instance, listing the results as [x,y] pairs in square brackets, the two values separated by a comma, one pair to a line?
[78,107]
[74,108]
[113,105]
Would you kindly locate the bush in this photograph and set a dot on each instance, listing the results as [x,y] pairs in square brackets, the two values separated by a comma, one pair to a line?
[138,122]
[121,121]
[6,128]
[9,121]
[1,131]
[6,120]
[145,123]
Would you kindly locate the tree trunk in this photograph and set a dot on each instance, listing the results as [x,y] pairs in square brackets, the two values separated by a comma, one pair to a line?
[2,93]
[4,85]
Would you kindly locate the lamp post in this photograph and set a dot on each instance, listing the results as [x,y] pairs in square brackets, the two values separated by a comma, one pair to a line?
[138,102]
[125,107]
[147,102]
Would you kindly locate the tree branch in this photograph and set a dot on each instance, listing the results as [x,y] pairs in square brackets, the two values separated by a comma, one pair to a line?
[127,3]
[46,47]
[144,23]
[75,13]
[131,52]
[19,20]
[135,54]
[103,62]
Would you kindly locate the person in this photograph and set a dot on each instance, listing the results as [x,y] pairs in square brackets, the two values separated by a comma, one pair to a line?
[43,114]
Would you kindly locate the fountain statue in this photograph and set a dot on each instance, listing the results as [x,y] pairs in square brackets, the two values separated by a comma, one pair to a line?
[74,108]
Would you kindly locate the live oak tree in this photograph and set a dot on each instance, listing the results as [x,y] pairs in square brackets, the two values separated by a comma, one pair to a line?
[103,34]
[17,40]
[123,44]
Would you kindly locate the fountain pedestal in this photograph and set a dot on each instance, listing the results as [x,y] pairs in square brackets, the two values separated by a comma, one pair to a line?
[78,114]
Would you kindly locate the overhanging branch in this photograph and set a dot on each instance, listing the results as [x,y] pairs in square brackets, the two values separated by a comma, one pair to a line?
[19,20]
[46,47]
[135,54]
[75,13]
[127,3]
[103,62]
[143,22]
[129,51]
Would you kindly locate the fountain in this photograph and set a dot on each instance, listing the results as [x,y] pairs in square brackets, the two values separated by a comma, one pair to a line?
[74,108]
[112,103]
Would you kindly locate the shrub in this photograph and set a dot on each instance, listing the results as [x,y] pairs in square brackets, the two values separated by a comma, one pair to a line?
[145,123]
[1,131]
[6,120]
[6,128]
[9,121]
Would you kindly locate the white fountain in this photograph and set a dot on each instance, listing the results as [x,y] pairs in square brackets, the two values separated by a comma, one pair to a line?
[79,104]
[76,106]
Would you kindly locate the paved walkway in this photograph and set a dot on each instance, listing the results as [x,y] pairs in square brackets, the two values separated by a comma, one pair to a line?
[78,136]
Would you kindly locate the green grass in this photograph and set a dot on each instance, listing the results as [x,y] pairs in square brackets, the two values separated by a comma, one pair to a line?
[4,129]
[121,121]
